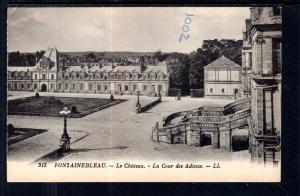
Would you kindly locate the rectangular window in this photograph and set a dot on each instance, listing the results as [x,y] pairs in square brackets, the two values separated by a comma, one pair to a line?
[73,86]
[145,87]
[276,11]
[9,86]
[28,86]
[159,88]
[51,86]
[35,86]
[44,76]
[223,90]
[211,90]
[35,76]
[276,55]
[99,87]
[223,76]
[52,76]
[81,86]
[134,87]
[66,86]
[211,75]
[90,87]
[105,87]
[126,88]
[268,114]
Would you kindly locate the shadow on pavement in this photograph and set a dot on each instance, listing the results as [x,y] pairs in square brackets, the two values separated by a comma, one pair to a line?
[93,149]
[56,155]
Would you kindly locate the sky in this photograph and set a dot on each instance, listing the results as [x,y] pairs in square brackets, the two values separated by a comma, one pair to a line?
[136,29]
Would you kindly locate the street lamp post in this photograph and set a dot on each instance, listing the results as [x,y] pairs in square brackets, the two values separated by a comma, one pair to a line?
[138,105]
[65,138]
[138,99]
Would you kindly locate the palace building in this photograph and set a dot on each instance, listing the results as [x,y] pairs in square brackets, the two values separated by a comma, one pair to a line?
[262,80]
[222,79]
[52,73]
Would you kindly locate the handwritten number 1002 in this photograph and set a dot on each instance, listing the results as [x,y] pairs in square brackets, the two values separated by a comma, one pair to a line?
[186,28]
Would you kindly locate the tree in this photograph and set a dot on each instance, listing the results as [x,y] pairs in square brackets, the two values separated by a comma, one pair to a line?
[24,59]
[39,54]
[159,56]
[210,51]
[179,71]
[91,56]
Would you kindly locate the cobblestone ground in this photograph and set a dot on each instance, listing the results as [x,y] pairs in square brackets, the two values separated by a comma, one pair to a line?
[118,133]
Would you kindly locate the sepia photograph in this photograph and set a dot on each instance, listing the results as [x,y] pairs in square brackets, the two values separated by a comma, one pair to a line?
[144,94]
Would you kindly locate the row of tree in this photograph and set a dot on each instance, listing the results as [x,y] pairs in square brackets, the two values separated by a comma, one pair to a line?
[24,59]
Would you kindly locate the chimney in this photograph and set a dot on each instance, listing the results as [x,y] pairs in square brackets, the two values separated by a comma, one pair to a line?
[142,64]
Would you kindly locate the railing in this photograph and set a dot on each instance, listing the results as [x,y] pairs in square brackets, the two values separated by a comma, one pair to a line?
[211,111]
[237,106]
[167,120]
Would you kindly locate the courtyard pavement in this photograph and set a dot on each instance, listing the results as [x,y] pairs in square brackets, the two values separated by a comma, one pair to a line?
[119,133]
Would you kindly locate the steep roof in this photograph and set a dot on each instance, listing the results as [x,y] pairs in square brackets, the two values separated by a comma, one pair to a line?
[223,63]
[11,68]
[160,67]
[106,68]
[74,68]
[127,68]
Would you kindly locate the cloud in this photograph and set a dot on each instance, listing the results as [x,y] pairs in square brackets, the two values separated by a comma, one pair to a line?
[120,29]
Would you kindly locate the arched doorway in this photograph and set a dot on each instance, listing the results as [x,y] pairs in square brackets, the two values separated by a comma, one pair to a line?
[44,88]
[207,139]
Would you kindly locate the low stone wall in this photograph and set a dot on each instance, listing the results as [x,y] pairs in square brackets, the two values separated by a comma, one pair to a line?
[174,92]
[148,106]
[197,92]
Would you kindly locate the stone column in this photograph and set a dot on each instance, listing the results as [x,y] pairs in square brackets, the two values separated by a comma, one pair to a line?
[215,139]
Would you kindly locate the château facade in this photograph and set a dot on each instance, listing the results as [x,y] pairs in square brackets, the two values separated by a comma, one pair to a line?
[262,81]
[53,74]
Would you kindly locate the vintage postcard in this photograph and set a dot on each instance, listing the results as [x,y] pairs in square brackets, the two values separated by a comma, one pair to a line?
[144,94]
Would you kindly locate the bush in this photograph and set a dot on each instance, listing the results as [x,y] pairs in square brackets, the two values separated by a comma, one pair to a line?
[37,94]
[73,109]
[10,129]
